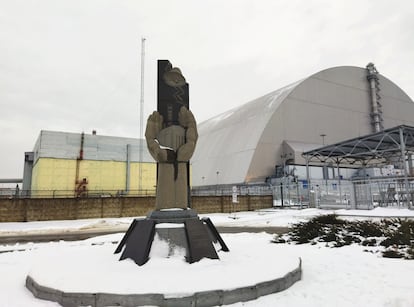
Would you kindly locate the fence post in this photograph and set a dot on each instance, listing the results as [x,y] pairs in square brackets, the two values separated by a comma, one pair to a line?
[248,202]
[102,205]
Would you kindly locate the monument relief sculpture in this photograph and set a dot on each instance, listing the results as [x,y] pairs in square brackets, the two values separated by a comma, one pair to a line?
[172,147]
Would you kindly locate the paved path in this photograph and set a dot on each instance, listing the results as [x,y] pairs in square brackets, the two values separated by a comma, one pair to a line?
[74,235]
[271,230]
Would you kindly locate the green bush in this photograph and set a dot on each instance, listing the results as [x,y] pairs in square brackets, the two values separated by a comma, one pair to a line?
[366,229]
[329,219]
[410,253]
[402,236]
[369,242]
[395,233]
[390,253]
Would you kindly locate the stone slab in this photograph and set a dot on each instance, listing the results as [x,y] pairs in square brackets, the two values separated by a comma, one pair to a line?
[175,237]
[138,242]
[172,216]
[199,241]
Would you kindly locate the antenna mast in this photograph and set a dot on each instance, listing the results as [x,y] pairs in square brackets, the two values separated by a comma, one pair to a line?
[141,116]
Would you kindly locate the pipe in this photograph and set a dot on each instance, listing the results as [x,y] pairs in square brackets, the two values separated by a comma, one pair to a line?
[79,158]
[12,180]
[375,106]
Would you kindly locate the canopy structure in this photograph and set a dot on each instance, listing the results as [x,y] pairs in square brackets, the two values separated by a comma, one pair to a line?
[388,146]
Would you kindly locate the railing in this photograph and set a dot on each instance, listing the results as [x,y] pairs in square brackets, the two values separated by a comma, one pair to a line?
[349,194]
[223,190]
[71,193]
[228,190]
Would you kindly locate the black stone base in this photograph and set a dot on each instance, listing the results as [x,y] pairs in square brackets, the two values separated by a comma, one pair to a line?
[197,238]
[172,216]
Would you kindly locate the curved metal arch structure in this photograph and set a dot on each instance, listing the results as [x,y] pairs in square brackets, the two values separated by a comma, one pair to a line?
[373,149]
[243,145]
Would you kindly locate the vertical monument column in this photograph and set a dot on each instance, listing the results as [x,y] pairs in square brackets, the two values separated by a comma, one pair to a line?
[171,136]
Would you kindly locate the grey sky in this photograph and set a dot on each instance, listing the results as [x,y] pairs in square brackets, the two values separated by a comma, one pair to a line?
[74,65]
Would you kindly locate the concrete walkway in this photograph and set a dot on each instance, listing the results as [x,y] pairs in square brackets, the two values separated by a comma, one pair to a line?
[75,235]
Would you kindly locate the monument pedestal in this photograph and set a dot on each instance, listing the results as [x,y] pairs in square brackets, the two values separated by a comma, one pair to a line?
[179,228]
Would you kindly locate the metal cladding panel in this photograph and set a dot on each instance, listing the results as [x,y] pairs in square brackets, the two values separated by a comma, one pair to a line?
[337,103]
[53,174]
[293,150]
[53,144]
[334,102]
[59,175]
[228,141]
[64,145]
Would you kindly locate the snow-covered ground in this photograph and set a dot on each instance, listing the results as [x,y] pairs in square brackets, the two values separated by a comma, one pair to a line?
[331,276]
[260,218]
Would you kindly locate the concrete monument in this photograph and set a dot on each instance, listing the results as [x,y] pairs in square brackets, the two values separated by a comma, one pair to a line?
[171,136]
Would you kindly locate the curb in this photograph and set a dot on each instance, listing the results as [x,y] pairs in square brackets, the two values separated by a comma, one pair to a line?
[198,299]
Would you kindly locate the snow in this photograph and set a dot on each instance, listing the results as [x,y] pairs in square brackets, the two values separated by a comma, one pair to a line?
[378,212]
[331,276]
[265,218]
[98,264]
[72,225]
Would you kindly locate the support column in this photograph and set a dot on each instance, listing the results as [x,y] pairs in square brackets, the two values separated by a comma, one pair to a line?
[128,167]
[403,154]
[339,182]
[308,179]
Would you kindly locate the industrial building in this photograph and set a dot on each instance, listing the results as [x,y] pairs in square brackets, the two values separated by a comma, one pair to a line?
[252,142]
[66,164]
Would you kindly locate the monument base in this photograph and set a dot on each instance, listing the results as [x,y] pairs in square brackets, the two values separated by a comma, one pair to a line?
[238,277]
[179,228]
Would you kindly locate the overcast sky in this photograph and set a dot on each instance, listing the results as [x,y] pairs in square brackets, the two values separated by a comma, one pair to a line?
[74,65]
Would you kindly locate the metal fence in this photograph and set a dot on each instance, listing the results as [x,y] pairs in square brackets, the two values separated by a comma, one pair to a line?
[71,193]
[216,190]
[348,194]
[227,190]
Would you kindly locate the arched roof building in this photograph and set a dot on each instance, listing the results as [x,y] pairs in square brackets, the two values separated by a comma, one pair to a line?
[246,143]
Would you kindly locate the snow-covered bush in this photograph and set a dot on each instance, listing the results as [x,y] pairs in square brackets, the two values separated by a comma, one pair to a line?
[394,236]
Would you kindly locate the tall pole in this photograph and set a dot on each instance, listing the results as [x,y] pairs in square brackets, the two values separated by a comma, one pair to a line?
[141,116]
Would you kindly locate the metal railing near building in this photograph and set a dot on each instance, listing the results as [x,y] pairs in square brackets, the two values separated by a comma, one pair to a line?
[227,190]
[222,190]
[71,193]
[366,193]
[359,193]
